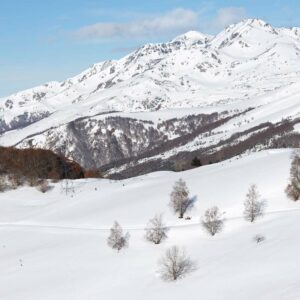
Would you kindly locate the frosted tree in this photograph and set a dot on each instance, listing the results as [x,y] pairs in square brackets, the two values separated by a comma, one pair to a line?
[213,221]
[175,264]
[253,207]
[180,201]
[117,240]
[293,188]
[156,231]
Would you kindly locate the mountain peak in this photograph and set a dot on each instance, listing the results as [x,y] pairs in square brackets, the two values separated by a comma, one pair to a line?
[191,37]
[252,23]
[255,22]
[244,34]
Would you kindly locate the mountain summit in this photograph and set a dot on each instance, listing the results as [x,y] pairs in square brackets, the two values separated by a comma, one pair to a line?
[192,37]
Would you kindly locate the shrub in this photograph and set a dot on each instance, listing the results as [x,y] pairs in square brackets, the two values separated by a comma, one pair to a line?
[43,186]
[117,240]
[196,162]
[213,221]
[156,231]
[15,181]
[175,264]
[92,174]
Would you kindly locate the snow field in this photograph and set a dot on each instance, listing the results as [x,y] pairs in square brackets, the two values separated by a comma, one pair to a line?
[53,246]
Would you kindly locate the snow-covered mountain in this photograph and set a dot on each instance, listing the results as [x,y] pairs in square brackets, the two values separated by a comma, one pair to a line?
[167,99]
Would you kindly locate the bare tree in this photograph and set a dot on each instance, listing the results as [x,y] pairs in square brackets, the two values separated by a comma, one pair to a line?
[15,180]
[180,200]
[67,187]
[175,264]
[117,240]
[213,221]
[253,207]
[293,188]
[3,184]
[32,180]
[43,185]
[156,231]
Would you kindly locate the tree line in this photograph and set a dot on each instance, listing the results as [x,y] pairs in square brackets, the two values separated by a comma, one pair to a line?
[35,166]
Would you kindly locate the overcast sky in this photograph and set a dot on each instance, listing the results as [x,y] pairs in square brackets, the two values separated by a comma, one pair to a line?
[48,40]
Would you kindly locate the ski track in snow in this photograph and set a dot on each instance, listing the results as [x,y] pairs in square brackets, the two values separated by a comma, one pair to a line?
[138,228]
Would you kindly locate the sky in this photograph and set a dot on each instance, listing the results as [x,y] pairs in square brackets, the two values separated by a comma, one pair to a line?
[46,40]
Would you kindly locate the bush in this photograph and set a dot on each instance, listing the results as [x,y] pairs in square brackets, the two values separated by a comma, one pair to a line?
[3,184]
[92,174]
[175,264]
[33,181]
[43,186]
[212,220]
[156,231]
[196,162]
[117,240]
[15,180]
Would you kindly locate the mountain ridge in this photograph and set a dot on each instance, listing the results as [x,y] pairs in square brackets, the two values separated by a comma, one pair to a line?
[249,72]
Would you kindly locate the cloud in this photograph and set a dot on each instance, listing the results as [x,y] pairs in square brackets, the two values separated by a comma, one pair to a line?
[175,21]
[228,15]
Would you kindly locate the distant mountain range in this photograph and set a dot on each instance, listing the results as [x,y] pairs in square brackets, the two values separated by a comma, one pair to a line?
[213,97]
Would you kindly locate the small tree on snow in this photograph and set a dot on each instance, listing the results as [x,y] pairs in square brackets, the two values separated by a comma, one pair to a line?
[156,231]
[117,240]
[67,187]
[175,264]
[253,207]
[180,200]
[212,220]
[293,188]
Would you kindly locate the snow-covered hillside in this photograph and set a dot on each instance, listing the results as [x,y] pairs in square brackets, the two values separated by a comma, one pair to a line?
[53,246]
[249,71]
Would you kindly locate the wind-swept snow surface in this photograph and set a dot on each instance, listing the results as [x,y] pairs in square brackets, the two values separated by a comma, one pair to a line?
[54,246]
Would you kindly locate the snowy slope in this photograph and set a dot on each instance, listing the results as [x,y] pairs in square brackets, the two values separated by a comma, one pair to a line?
[54,246]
